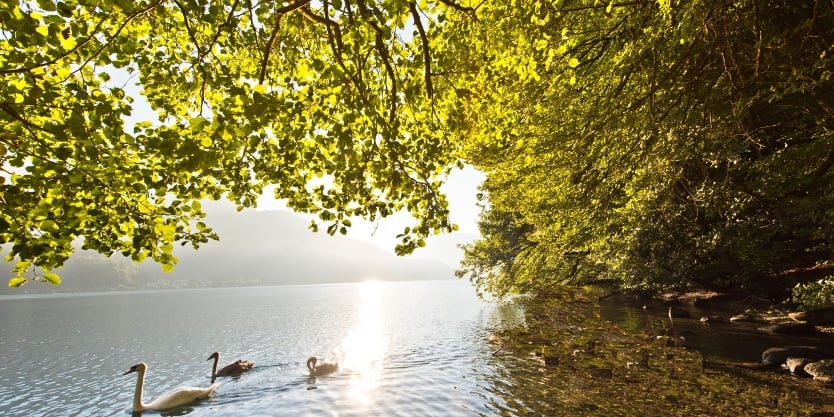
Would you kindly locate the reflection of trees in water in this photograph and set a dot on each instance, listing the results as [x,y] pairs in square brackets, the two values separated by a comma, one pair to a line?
[607,377]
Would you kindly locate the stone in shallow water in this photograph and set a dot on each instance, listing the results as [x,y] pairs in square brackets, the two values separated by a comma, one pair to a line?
[821,370]
[779,355]
[743,317]
[790,328]
[797,365]
[551,360]
[712,318]
[819,316]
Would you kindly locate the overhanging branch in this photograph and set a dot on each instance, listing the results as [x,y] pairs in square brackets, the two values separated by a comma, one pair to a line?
[279,13]
[426,53]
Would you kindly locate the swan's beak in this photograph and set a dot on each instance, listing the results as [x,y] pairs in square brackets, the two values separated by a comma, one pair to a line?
[132,369]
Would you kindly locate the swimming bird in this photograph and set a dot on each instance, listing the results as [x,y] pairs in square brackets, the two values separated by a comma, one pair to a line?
[323,368]
[171,399]
[235,368]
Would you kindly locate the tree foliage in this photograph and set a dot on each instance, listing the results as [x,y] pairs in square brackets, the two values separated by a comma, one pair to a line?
[659,144]
[337,103]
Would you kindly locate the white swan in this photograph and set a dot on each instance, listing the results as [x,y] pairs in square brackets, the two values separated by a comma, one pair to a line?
[171,399]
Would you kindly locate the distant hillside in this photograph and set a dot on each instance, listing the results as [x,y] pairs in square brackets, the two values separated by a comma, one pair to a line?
[255,248]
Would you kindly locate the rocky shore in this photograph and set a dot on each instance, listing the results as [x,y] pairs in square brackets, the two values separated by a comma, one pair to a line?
[808,361]
[594,367]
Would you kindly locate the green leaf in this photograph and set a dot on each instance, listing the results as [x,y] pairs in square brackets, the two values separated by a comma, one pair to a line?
[17,282]
[53,279]
[68,43]
[62,72]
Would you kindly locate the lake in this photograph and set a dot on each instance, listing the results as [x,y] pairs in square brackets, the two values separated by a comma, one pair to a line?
[405,349]
[417,348]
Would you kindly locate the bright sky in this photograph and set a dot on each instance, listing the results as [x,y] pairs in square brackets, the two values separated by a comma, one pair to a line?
[460,189]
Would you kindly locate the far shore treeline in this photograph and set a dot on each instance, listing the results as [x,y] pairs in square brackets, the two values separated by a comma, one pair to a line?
[650,144]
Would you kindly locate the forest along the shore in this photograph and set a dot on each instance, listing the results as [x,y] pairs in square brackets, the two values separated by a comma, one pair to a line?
[581,363]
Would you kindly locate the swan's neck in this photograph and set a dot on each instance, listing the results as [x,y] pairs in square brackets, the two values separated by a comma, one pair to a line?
[214,369]
[137,395]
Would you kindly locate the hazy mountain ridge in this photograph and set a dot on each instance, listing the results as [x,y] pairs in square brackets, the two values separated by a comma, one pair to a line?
[255,248]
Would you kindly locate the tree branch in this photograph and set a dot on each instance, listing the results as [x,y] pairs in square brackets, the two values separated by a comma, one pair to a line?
[379,45]
[278,13]
[330,25]
[85,41]
[457,6]
[426,53]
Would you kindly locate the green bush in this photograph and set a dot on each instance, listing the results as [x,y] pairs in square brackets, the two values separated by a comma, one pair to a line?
[815,294]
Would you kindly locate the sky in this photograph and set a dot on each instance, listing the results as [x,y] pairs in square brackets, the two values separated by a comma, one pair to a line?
[461,189]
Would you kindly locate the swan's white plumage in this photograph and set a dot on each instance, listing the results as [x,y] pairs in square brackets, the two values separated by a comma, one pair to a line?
[171,399]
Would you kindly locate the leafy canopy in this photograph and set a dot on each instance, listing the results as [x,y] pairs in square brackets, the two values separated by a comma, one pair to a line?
[657,144]
[338,104]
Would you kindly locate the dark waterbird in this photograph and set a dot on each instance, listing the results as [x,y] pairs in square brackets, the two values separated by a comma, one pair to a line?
[235,368]
[322,368]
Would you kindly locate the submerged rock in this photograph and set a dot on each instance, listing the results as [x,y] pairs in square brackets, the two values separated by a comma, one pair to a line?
[821,370]
[712,318]
[790,328]
[818,316]
[743,317]
[779,355]
[797,365]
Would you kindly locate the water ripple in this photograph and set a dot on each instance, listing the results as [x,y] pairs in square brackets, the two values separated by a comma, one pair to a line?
[407,349]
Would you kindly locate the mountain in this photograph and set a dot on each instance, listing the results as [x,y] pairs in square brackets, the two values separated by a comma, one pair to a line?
[256,248]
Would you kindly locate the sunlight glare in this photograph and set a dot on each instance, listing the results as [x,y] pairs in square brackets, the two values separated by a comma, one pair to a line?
[364,346]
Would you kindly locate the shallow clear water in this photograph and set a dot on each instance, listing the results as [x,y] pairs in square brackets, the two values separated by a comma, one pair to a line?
[733,341]
[404,348]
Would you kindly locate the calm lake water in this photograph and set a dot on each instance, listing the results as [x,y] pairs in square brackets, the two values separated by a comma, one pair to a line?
[405,349]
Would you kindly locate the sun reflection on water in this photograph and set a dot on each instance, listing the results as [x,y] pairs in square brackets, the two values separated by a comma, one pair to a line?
[364,345]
